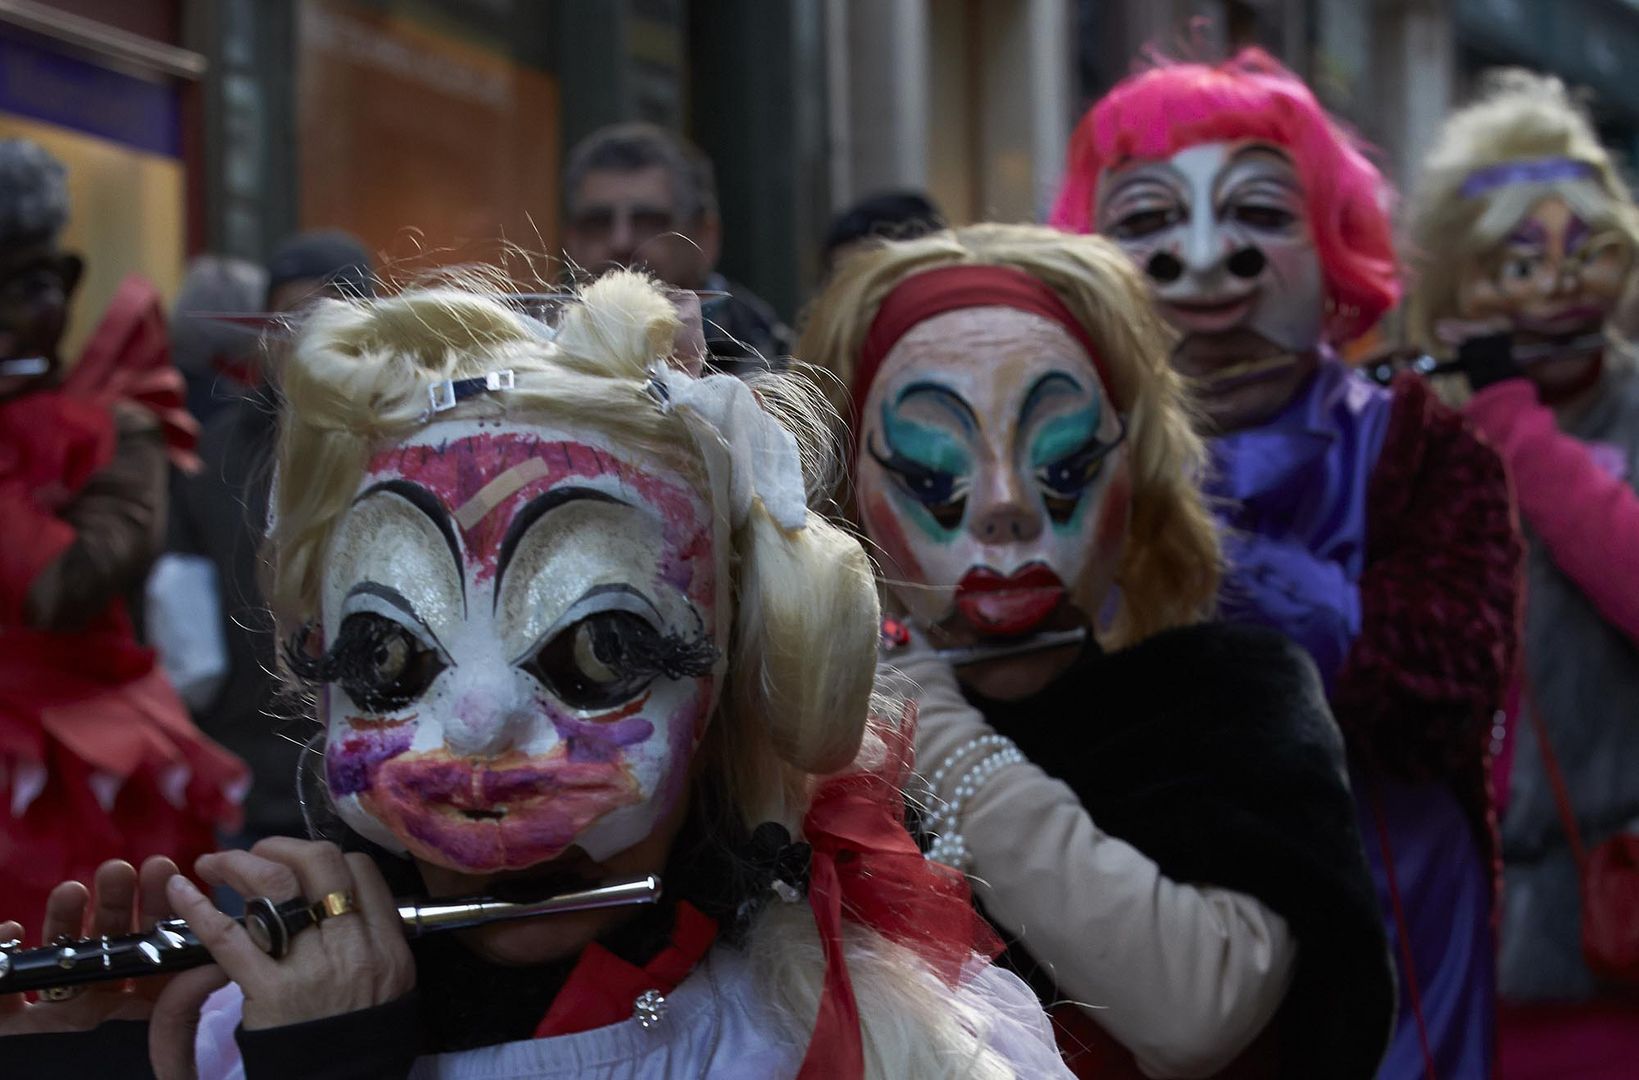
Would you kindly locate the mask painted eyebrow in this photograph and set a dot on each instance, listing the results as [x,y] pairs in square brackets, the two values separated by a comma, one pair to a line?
[398,600]
[944,397]
[429,504]
[1274,168]
[536,509]
[1159,181]
[1051,385]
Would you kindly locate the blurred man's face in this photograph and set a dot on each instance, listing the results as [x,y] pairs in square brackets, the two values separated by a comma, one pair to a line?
[620,218]
[36,282]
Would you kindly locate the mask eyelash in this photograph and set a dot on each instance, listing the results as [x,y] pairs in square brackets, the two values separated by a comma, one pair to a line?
[639,655]
[375,661]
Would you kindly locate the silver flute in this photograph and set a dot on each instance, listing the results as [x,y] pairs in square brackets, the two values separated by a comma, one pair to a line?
[963,655]
[171,946]
[1525,357]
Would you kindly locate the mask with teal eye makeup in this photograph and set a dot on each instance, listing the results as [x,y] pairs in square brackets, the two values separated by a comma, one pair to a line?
[930,468]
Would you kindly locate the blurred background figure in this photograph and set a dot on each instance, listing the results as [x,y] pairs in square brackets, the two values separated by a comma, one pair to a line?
[208,578]
[98,759]
[637,195]
[891,215]
[1524,237]
[217,359]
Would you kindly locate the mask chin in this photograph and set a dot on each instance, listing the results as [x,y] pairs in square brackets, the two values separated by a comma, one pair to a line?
[361,821]
[1293,320]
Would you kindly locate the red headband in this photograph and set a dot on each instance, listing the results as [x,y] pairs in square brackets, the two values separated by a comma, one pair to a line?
[950,288]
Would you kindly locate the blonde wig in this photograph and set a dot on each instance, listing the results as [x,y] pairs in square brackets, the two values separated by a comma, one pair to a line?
[1170,570]
[802,654]
[1519,116]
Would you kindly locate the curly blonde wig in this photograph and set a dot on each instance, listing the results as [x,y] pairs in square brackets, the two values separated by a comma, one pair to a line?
[1518,116]
[802,654]
[1170,570]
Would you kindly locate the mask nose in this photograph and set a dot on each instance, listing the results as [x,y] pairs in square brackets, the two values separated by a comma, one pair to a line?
[488,720]
[1203,252]
[1003,510]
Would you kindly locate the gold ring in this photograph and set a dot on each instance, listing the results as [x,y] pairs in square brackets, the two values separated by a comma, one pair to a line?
[332,904]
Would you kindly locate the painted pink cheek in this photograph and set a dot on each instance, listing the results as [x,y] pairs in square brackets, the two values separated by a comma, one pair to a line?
[884,527]
[350,767]
[1113,517]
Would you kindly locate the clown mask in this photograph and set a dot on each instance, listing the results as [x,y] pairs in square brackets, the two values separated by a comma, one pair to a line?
[1553,278]
[1221,229]
[989,483]
[520,625]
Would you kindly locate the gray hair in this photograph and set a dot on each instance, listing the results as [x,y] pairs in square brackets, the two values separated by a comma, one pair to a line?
[214,283]
[637,145]
[33,193]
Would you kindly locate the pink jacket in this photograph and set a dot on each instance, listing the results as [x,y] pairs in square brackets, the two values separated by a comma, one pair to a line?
[1585,513]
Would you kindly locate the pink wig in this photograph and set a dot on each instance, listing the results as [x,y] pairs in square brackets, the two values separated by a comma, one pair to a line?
[1173,106]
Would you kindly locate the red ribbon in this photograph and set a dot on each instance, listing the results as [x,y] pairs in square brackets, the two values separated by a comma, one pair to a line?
[601,988]
[866,867]
[952,288]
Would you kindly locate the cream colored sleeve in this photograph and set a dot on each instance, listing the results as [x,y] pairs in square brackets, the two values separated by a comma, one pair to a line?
[1184,976]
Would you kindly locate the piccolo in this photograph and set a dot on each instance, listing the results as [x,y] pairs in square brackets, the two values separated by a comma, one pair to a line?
[1524,356]
[171,946]
[962,655]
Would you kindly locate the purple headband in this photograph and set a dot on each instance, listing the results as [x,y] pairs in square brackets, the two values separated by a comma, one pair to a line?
[1541,171]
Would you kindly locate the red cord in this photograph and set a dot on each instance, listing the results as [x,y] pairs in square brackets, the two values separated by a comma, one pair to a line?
[1400,930]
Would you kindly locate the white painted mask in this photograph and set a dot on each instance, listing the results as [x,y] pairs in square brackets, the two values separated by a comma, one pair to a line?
[989,475]
[521,630]
[1222,231]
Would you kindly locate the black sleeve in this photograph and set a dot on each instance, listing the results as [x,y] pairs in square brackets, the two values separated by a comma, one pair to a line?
[117,1049]
[378,1043]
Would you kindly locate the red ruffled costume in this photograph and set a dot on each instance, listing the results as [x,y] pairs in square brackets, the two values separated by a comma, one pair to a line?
[98,757]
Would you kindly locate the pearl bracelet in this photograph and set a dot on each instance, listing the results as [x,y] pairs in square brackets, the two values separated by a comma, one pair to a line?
[991,741]
[949,846]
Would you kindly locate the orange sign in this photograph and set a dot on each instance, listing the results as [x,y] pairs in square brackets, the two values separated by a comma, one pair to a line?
[435,151]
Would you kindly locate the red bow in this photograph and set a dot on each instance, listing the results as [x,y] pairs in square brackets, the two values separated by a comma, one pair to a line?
[867,867]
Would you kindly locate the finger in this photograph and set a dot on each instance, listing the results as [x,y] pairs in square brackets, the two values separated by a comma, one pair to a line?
[345,939]
[227,941]
[65,912]
[152,904]
[318,865]
[376,902]
[250,875]
[114,891]
[175,1021]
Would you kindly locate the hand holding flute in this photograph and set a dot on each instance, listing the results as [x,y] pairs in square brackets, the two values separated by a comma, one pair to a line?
[120,902]
[288,967]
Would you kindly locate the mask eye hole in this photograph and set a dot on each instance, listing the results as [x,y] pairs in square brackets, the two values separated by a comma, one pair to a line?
[1147,222]
[941,492]
[599,662]
[380,664]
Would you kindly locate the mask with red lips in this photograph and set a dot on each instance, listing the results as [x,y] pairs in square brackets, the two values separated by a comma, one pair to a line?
[520,633]
[991,483]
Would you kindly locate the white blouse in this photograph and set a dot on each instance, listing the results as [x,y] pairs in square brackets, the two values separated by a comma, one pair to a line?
[714,1025]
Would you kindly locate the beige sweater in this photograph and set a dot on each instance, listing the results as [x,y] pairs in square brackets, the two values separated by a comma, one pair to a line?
[1182,975]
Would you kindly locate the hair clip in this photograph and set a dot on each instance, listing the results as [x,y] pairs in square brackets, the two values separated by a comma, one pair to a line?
[658,390]
[447,394]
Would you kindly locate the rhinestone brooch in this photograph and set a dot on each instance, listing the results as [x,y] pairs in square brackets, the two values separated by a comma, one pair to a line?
[649,1008]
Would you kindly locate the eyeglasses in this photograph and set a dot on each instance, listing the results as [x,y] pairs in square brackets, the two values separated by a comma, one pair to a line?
[31,284]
